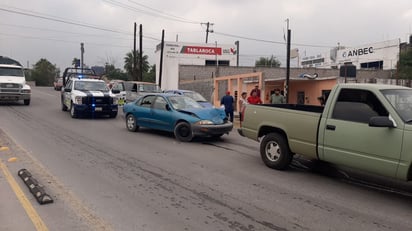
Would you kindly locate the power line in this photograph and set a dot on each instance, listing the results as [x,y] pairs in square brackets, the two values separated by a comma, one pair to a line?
[62,31]
[71,23]
[269,41]
[62,21]
[162,15]
[161,12]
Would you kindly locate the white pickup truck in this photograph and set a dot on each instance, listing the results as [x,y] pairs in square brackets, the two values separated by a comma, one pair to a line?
[13,85]
[85,96]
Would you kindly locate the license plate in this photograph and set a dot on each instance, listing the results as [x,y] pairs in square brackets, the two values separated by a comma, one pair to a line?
[98,109]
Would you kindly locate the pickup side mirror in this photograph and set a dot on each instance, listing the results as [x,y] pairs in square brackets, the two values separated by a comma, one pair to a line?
[381,121]
[115,91]
[168,107]
[67,90]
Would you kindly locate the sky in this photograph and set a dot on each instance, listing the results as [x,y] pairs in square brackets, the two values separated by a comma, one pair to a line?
[53,30]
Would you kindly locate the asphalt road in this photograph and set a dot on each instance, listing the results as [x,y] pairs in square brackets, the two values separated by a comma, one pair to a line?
[103,177]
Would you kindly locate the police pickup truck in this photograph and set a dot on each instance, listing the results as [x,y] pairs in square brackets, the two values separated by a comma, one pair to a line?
[88,96]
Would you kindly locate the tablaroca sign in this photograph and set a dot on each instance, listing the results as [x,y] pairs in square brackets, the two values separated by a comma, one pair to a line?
[200,50]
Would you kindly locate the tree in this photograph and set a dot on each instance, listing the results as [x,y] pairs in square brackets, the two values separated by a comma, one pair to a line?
[405,65]
[128,64]
[44,73]
[114,73]
[267,62]
[150,76]
[75,62]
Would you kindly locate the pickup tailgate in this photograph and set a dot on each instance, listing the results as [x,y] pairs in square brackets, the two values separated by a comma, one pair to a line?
[298,122]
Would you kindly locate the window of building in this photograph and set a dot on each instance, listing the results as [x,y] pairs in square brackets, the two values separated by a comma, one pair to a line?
[220,62]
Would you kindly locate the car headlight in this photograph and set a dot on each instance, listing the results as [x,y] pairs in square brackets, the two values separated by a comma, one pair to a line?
[204,122]
[25,91]
[115,100]
[78,100]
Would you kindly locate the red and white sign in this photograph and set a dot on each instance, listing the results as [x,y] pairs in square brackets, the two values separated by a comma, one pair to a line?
[196,50]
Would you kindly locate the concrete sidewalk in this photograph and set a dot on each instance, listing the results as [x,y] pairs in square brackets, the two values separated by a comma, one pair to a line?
[18,205]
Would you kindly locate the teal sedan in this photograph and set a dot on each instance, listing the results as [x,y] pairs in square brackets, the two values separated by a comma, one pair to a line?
[179,114]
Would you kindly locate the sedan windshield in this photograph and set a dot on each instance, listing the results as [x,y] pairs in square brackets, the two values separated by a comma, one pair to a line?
[196,96]
[90,86]
[183,102]
[401,101]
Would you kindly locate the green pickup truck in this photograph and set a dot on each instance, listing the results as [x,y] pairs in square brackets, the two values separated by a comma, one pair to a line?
[362,126]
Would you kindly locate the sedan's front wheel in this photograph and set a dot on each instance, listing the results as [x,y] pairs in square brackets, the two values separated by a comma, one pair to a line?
[183,132]
[131,123]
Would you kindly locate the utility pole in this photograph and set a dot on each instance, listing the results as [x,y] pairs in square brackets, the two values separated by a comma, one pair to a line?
[161,58]
[237,53]
[81,56]
[140,53]
[208,24]
[287,63]
[134,68]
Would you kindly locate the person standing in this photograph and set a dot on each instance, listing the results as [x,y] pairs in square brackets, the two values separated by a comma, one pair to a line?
[257,90]
[277,98]
[242,104]
[228,101]
[254,99]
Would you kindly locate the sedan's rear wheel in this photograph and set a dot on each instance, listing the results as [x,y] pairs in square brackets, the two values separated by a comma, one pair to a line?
[131,123]
[183,132]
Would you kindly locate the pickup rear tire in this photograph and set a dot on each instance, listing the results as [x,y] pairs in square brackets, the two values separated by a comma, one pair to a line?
[275,152]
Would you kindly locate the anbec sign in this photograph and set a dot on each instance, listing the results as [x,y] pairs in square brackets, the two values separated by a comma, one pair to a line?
[358,52]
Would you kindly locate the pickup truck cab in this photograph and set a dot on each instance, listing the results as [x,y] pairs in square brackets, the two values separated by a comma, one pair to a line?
[362,126]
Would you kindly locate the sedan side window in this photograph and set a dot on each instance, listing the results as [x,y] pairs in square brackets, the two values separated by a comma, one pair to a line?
[147,101]
[160,103]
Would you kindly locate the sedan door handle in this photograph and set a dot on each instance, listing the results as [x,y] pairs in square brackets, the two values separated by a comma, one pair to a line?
[331,127]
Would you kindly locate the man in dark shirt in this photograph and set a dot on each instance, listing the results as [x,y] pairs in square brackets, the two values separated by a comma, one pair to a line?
[228,101]
[257,90]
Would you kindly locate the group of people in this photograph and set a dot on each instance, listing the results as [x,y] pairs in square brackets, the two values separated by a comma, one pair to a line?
[228,101]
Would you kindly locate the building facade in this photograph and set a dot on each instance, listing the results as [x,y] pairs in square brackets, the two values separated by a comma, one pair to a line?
[381,55]
[179,53]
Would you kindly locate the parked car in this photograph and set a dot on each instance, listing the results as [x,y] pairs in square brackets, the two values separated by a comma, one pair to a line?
[118,85]
[176,113]
[58,83]
[362,126]
[192,94]
[135,88]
